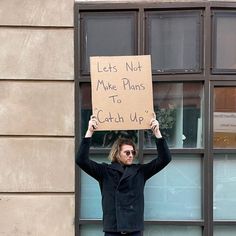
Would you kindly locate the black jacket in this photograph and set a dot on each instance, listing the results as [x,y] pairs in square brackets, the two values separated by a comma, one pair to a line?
[122,189]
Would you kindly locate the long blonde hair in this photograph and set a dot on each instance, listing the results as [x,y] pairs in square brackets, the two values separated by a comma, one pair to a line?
[116,148]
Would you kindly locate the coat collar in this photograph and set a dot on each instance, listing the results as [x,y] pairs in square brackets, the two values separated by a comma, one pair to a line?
[129,170]
[117,166]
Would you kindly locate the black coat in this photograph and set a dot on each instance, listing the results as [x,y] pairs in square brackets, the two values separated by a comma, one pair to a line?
[122,188]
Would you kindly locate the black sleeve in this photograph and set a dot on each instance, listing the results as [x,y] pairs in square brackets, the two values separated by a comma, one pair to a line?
[162,160]
[91,167]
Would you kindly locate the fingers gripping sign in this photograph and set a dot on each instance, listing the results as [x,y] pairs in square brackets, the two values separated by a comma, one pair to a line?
[92,126]
[155,127]
[93,123]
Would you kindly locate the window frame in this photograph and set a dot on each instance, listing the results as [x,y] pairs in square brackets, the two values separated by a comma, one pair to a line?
[151,12]
[214,151]
[206,77]
[215,70]
[214,84]
[84,14]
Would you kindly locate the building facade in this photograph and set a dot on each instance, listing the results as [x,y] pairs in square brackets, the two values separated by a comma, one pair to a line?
[45,104]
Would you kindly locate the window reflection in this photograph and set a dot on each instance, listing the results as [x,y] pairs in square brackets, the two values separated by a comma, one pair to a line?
[175,192]
[179,108]
[225,230]
[225,36]
[91,230]
[107,34]
[174,41]
[225,117]
[170,230]
[90,194]
[151,230]
[224,187]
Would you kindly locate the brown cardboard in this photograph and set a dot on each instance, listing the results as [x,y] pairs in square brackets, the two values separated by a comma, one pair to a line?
[122,96]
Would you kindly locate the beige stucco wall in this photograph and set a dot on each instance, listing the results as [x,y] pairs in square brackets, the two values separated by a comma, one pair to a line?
[36,118]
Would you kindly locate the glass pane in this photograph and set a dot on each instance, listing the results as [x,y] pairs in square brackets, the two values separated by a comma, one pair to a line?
[90,207]
[108,34]
[91,230]
[224,231]
[150,230]
[100,138]
[179,109]
[174,39]
[225,38]
[225,187]
[175,192]
[169,230]
[225,117]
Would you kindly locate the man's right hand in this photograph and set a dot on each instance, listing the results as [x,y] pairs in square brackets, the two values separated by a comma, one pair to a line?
[92,126]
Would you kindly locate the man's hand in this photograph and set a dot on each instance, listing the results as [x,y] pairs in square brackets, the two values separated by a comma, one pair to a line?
[154,124]
[92,126]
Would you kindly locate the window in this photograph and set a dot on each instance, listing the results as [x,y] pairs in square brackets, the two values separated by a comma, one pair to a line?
[192,48]
[175,104]
[174,41]
[224,230]
[225,117]
[172,230]
[90,195]
[224,36]
[225,187]
[164,192]
[107,34]
[91,230]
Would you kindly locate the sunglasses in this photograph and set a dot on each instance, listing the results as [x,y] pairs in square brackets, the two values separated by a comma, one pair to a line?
[127,153]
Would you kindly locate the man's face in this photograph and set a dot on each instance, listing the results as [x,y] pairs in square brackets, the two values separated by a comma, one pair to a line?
[127,154]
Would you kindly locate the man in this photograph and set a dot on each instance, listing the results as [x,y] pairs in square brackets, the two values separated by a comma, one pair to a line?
[122,182]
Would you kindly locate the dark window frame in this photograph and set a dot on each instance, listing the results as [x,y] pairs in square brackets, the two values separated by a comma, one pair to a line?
[207,77]
[150,12]
[84,14]
[220,12]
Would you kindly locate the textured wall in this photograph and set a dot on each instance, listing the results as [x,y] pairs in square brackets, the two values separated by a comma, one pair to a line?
[36,118]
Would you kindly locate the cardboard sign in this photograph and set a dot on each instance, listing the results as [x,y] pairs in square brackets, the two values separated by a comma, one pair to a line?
[122,97]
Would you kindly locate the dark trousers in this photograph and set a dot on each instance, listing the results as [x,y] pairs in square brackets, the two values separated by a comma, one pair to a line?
[138,233]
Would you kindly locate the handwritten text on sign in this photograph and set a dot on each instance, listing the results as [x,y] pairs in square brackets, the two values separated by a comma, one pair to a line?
[122,96]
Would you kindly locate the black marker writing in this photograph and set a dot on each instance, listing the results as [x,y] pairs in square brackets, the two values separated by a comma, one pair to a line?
[108,68]
[135,118]
[115,99]
[109,118]
[131,67]
[105,86]
[127,85]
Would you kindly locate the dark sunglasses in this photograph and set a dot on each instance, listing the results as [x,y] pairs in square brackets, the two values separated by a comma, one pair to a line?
[127,153]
